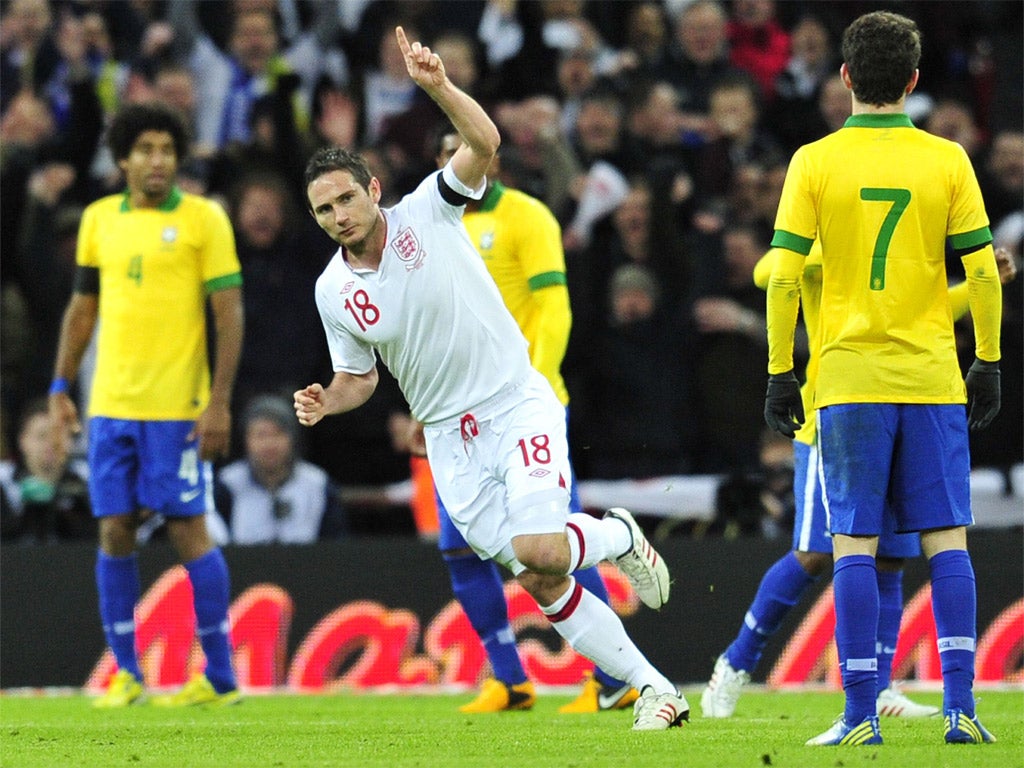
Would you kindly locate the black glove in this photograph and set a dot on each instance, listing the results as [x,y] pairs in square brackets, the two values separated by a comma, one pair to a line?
[982,393]
[783,406]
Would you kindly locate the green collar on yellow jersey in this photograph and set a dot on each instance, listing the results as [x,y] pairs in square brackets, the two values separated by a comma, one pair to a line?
[167,205]
[892,120]
[490,200]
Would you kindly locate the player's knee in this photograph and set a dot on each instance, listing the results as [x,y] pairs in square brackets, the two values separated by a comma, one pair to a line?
[545,588]
[546,553]
[889,564]
[814,563]
[117,534]
[190,537]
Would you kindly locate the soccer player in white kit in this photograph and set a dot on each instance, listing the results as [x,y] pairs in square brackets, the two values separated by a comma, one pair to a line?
[408,283]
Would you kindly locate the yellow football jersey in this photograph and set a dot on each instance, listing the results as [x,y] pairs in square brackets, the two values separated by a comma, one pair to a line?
[156,268]
[883,197]
[520,242]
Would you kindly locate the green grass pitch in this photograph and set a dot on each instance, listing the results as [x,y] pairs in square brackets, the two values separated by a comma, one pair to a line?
[407,730]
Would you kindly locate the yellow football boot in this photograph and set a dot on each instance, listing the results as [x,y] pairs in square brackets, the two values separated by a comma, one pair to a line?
[199,690]
[496,696]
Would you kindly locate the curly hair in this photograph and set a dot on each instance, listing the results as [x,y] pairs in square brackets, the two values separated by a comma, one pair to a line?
[881,51]
[330,159]
[135,119]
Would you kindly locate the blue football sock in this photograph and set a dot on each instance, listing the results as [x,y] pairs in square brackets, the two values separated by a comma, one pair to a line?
[890,614]
[780,589]
[117,582]
[479,589]
[590,579]
[855,585]
[211,592]
[954,603]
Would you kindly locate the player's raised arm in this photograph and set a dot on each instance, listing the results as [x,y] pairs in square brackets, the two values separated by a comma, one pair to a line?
[480,137]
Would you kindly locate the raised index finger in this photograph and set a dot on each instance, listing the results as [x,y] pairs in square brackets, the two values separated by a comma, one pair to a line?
[403,43]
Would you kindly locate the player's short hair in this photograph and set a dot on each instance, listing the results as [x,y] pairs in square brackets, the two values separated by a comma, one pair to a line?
[135,119]
[330,159]
[881,51]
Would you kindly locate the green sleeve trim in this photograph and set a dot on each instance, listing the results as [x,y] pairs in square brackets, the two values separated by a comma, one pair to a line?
[791,242]
[971,240]
[544,279]
[234,280]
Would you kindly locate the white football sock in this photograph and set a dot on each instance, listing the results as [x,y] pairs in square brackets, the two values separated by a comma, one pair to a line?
[595,631]
[592,540]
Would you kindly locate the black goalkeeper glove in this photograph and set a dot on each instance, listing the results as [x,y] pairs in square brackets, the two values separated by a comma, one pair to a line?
[783,406]
[982,393]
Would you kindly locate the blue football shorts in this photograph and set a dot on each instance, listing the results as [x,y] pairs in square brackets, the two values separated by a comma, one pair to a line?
[911,458]
[810,524]
[152,465]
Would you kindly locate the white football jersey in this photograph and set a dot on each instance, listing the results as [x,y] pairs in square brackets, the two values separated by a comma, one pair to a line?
[431,310]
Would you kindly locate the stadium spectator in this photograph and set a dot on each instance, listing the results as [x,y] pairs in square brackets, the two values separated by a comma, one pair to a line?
[952,119]
[737,136]
[281,254]
[793,113]
[44,496]
[728,322]
[385,91]
[1001,175]
[695,60]
[28,53]
[45,256]
[273,496]
[231,82]
[523,42]
[646,40]
[755,501]
[757,43]
[630,389]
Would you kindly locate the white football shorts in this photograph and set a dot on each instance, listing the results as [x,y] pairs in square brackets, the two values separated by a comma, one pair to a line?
[502,468]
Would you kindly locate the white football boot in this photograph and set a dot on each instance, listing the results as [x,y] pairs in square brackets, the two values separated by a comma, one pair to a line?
[659,711]
[641,564]
[723,690]
[893,703]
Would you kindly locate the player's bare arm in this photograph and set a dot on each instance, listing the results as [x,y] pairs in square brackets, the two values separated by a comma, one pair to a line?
[213,427]
[480,137]
[346,392]
[76,331]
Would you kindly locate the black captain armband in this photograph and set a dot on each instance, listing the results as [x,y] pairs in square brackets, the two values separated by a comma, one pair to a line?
[448,194]
[87,280]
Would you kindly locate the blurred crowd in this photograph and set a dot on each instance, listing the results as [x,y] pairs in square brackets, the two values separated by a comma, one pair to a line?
[657,131]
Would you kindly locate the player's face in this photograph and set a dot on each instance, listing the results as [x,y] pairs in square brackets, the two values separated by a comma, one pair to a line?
[343,209]
[151,167]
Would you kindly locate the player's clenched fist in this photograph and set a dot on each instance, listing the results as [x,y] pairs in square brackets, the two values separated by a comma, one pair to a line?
[309,404]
